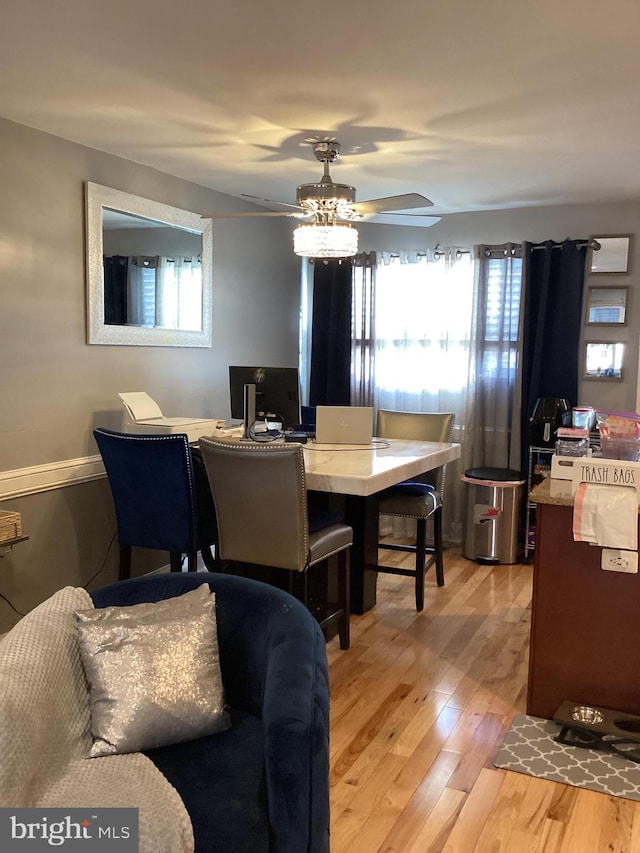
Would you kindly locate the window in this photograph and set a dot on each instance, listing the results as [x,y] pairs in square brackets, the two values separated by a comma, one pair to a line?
[165,292]
[498,321]
[412,341]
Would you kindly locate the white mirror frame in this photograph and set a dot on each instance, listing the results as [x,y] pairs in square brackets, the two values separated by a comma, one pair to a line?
[98,198]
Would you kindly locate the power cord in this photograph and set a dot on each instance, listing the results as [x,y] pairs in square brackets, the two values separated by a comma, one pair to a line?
[266,435]
[104,562]
[346,448]
[5,599]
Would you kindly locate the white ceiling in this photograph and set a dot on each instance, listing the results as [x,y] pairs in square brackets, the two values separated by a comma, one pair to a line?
[477,104]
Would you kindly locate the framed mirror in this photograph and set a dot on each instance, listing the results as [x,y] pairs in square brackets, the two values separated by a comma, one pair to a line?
[603,360]
[606,305]
[613,254]
[149,272]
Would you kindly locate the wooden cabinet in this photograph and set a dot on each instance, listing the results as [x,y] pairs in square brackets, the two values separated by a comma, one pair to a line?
[585,624]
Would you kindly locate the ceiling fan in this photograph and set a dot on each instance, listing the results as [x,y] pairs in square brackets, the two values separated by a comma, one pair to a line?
[327,211]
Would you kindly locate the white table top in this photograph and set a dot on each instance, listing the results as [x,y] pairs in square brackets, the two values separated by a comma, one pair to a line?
[346,470]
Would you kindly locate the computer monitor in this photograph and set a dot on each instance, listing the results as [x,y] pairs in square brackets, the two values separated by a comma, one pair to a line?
[277,391]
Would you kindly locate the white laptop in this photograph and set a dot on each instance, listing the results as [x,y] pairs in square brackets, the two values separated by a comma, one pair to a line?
[344,425]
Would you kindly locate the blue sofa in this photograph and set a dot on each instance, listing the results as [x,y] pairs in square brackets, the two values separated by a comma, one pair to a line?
[262,785]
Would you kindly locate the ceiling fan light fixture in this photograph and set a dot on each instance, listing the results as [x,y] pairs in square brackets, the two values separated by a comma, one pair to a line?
[325,241]
[329,209]
[326,192]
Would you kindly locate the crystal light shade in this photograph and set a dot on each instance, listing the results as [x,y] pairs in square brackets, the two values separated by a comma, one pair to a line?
[325,241]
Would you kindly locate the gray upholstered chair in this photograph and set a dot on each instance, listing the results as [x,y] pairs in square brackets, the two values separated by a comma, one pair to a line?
[260,498]
[420,498]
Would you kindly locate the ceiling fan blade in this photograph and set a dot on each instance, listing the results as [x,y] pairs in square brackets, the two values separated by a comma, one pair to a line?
[270,201]
[413,219]
[239,215]
[407,201]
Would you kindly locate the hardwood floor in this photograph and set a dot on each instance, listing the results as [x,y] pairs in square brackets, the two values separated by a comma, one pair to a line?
[420,704]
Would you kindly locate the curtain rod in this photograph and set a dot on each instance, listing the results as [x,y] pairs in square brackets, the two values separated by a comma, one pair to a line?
[149,260]
[515,249]
[590,244]
[437,253]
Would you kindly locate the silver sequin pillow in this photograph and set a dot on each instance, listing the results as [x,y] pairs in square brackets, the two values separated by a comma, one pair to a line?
[153,671]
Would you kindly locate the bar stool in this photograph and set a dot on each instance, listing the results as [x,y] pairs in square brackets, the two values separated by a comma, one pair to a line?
[420,498]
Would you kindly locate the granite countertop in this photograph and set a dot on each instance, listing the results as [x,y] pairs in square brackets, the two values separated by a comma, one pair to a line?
[555,492]
[552,491]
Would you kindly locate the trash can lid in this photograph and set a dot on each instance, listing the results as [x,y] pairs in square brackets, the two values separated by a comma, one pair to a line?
[499,475]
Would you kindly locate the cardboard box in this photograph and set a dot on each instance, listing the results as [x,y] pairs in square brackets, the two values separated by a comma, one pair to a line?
[10,525]
[562,466]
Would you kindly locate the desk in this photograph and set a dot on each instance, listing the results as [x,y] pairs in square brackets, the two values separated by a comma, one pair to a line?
[358,474]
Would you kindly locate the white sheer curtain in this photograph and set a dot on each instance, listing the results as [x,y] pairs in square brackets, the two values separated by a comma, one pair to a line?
[412,343]
[164,292]
[141,290]
[179,293]
[363,330]
[493,417]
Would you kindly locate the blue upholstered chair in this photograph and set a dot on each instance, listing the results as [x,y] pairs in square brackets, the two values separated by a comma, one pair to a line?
[420,498]
[264,519]
[161,497]
[263,785]
[308,415]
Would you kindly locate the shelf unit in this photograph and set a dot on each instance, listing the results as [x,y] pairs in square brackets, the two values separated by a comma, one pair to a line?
[539,468]
[7,544]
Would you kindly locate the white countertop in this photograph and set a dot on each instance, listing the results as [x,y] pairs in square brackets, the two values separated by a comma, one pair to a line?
[347,470]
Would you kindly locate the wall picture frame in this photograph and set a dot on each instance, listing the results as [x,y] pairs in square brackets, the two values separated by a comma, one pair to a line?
[612,256]
[606,306]
[603,360]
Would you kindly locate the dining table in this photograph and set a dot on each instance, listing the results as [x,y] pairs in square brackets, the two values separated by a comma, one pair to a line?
[358,473]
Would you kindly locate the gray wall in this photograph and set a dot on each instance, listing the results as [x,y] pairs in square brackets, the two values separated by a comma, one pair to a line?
[56,388]
[150,241]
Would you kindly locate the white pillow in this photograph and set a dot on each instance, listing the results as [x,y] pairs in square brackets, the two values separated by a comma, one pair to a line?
[153,671]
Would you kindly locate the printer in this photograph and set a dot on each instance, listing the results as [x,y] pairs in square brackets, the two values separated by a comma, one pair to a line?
[143,415]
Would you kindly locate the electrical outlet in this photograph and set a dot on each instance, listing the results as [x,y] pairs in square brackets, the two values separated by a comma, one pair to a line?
[615,560]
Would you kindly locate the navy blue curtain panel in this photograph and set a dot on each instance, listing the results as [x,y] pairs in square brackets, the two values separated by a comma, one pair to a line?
[329,380]
[115,290]
[554,276]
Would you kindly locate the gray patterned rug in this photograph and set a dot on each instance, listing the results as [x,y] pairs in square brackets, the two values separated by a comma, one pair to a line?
[529,747]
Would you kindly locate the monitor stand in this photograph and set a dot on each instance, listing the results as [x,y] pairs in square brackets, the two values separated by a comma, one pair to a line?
[249,411]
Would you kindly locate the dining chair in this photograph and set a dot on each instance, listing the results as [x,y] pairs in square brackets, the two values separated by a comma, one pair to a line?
[161,498]
[265,519]
[419,498]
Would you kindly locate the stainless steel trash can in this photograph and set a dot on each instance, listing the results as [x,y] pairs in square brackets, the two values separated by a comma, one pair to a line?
[493,515]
